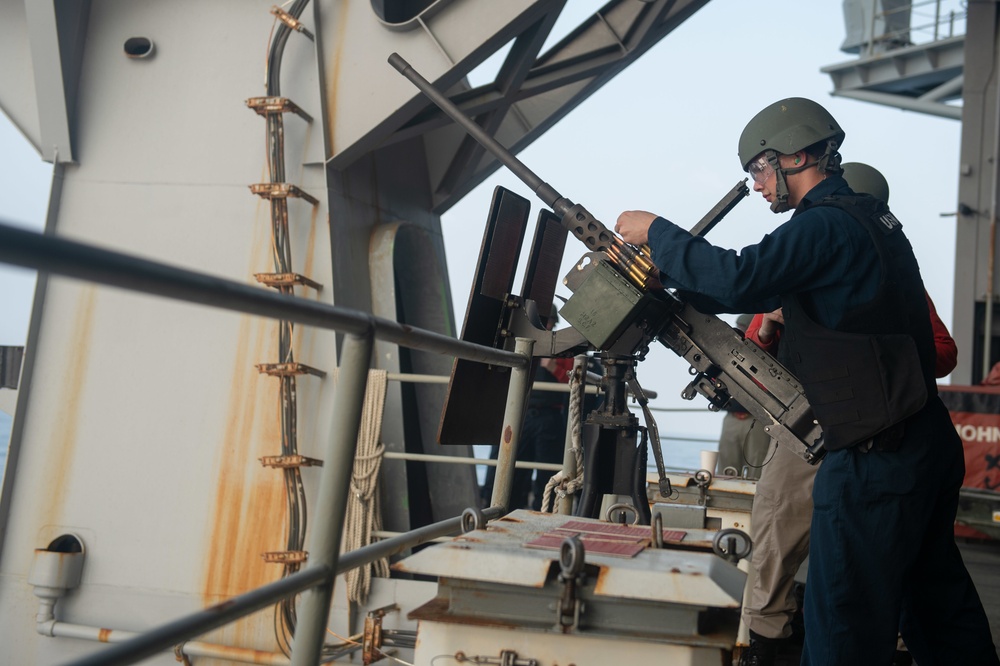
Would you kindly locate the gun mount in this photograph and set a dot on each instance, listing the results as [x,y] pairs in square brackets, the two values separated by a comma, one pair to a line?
[619,308]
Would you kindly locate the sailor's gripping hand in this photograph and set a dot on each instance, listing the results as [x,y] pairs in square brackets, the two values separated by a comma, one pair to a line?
[633,226]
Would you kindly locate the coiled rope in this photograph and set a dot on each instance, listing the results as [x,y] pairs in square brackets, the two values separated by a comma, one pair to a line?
[364,511]
[559,487]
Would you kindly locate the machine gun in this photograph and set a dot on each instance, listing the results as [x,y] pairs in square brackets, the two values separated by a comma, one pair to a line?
[619,307]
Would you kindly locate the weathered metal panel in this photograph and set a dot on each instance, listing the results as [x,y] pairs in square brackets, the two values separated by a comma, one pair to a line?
[439,640]
[146,418]
[359,43]
[17,84]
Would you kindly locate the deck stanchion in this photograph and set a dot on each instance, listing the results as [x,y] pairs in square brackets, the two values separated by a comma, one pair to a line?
[513,420]
[331,503]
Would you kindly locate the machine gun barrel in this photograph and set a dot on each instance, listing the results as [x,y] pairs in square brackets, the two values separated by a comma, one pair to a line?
[632,263]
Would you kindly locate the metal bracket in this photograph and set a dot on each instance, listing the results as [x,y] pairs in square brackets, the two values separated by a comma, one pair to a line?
[287,462]
[572,557]
[709,387]
[622,508]
[473,519]
[372,641]
[286,280]
[265,106]
[285,556]
[732,544]
[703,478]
[506,658]
[288,369]
[281,191]
[291,22]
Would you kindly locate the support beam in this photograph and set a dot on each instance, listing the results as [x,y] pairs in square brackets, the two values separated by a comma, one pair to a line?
[903,102]
[56,33]
[975,280]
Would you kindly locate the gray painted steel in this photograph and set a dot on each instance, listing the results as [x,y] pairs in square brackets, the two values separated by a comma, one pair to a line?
[513,421]
[978,191]
[905,75]
[335,484]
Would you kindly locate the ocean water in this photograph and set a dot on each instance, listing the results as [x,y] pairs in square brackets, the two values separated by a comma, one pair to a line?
[684,452]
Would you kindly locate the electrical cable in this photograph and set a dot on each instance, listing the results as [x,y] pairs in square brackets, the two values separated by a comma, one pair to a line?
[295,498]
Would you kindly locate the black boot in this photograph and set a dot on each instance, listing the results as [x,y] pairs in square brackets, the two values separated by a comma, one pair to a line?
[762,651]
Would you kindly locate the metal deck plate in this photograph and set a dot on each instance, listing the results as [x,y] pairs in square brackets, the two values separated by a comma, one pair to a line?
[498,555]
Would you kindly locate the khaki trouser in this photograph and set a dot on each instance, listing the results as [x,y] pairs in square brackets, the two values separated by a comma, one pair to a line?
[780,518]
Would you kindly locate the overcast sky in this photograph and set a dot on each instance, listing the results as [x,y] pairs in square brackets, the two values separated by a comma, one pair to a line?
[661,136]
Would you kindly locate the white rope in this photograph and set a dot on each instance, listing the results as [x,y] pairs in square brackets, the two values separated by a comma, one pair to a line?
[364,513]
[558,485]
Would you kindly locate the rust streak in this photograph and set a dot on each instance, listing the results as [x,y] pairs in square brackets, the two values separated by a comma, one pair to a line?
[438,610]
[104,635]
[248,513]
[333,81]
[249,655]
[67,419]
[602,581]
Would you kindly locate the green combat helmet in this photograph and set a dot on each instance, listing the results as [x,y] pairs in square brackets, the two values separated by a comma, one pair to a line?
[785,128]
[865,179]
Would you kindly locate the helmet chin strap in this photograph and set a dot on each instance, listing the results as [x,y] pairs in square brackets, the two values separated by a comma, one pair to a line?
[780,202]
[828,163]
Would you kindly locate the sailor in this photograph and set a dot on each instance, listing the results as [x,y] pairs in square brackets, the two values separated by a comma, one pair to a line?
[782,506]
[858,336]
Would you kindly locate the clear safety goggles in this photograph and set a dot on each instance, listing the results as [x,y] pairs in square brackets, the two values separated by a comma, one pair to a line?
[760,169]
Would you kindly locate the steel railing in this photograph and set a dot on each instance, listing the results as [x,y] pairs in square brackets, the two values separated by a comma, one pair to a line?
[927,21]
[86,262]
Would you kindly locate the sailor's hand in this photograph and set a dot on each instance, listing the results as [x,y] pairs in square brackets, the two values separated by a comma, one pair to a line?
[633,226]
[770,323]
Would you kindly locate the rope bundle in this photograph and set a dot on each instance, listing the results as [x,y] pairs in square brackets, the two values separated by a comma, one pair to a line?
[364,513]
[558,485]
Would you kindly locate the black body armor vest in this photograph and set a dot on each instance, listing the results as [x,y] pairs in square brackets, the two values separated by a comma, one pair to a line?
[877,368]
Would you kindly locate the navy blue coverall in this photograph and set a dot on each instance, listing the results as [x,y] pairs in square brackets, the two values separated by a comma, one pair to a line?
[882,544]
